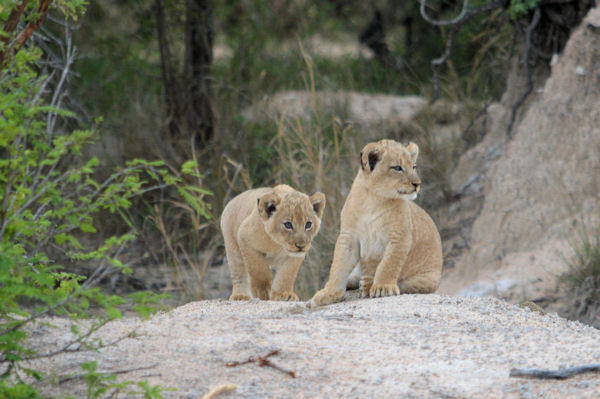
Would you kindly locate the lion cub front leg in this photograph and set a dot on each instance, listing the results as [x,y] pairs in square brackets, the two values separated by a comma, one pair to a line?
[259,273]
[285,277]
[388,270]
[345,257]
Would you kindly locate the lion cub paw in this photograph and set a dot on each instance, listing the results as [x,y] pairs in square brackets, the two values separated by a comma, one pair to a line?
[366,282]
[284,296]
[381,290]
[261,292]
[239,297]
[324,297]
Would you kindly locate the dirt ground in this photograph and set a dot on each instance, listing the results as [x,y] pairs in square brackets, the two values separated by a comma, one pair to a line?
[410,346]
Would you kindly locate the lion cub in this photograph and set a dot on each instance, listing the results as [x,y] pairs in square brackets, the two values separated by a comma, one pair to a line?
[393,242]
[264,228]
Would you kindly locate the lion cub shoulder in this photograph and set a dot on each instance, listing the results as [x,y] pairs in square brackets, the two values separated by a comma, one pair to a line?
[393,243]
[266,228]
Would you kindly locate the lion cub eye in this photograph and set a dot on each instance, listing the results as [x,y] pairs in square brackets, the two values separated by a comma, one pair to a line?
[288,226]
[415,166]
[308,225]
[397,168]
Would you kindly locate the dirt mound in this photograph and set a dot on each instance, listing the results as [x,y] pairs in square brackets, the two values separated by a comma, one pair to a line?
[361,109]
[544,185]
[404,346]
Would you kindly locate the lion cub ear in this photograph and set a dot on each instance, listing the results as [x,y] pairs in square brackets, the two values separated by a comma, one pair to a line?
[369,157]
[413,150]
[267,205]
[318,201]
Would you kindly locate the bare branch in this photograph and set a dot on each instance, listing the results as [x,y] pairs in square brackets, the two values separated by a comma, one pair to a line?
[80,340]
[69,53]
[103,269]
[13,20]
[123,371]
[10,25]
[560,374]
[38,314]
[33,25]
[454,21]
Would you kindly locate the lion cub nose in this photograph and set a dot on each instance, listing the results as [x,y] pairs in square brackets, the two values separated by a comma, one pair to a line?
[300,247]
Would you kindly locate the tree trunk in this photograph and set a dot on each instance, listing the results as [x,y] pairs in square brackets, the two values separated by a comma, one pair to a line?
[197,67]
[373,36]
[187,92]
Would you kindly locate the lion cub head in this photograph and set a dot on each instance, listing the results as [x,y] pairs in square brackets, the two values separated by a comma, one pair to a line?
[291,218]
[390,169]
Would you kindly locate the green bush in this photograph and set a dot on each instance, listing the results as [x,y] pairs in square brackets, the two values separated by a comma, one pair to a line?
[50,203]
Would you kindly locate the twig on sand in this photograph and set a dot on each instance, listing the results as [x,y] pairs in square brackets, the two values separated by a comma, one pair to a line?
[214,392]
[263,361]
[560,374]
[123,371]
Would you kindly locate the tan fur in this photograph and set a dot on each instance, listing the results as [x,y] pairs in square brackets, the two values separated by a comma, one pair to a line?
[391,240]
[256,240]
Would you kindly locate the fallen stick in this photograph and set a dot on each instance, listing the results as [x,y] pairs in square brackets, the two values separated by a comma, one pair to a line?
[263,361]
[559,374]
[216,391]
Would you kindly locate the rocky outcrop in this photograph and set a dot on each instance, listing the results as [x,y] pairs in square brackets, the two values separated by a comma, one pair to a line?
[544,184]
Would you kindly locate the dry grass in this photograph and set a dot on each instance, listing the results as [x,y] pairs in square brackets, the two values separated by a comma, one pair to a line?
[582,282]
[319,153]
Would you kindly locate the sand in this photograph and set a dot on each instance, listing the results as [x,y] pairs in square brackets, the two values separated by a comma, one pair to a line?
[409,346]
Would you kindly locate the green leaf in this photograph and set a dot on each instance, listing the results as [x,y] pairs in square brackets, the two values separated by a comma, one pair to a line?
[113,313]
[189,167]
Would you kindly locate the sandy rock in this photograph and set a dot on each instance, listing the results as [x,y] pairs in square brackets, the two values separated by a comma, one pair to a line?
[546,182]
[362,109]
[411,346]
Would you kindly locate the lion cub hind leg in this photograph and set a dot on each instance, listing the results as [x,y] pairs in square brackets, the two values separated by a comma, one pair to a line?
[420,283]
[367,271]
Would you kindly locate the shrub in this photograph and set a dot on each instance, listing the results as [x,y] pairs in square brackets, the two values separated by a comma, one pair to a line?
[50,201]
[582,281]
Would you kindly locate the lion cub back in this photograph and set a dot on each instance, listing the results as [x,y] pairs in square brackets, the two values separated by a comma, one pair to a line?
[425,255]
[238,209]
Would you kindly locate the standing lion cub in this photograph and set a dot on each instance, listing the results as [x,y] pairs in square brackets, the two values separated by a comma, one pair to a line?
[264,228]
[394,243]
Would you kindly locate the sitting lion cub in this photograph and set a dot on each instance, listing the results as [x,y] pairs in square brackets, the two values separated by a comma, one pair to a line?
[392,240]
[267,227]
